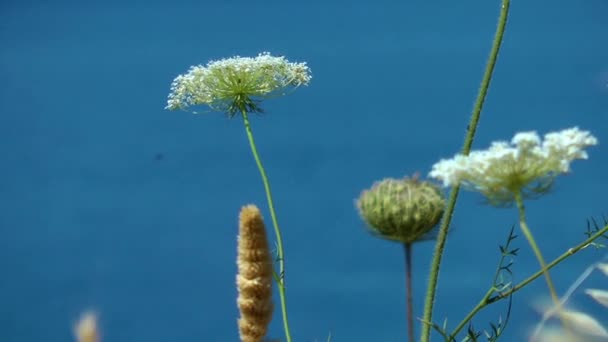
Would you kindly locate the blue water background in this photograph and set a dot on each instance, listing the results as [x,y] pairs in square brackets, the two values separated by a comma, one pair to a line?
[92,218]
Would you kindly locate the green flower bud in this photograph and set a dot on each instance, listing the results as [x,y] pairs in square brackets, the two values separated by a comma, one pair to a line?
[403,210]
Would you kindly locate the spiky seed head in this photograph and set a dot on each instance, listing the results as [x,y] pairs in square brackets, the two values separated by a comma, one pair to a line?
[403,210]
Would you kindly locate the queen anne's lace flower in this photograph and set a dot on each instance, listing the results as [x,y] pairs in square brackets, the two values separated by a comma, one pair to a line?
[527,165]
[236,84]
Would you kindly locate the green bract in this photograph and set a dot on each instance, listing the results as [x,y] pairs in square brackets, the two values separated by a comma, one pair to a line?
[403,210]
[236,84]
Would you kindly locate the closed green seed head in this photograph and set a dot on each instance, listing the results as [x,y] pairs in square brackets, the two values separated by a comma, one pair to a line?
[403,210]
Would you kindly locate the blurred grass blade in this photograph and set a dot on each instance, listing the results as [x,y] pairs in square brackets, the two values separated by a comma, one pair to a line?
[584,323]
[604,268]
[600,296]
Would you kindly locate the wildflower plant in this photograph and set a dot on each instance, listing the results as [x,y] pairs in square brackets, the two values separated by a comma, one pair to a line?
[403,210]
[237,86]
[407,210]
[510,173]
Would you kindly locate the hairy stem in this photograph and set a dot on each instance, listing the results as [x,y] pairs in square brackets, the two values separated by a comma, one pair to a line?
[280,279]
[407,247]
[472,127]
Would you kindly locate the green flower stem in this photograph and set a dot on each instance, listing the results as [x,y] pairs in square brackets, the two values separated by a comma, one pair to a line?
[281,278]
[471,128]
[528,234]
[407,248]
[539,256]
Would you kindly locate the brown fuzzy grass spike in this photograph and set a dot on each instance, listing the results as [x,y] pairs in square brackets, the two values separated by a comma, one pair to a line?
[86,328]
[254,278]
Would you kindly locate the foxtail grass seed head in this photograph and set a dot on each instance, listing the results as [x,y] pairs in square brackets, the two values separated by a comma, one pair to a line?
[237,84]
[528,165]
[403,210]
[86,328]
[254,280]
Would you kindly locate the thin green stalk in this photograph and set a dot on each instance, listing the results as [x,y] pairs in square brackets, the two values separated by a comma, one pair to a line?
[472,127]
[407,248]
[539,256]
[280,280]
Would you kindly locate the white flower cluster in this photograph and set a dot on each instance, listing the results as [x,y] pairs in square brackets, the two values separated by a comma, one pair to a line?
[235,84]
[527,165]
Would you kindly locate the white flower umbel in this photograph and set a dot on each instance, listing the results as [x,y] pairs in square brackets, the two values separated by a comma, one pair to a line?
[238,84]
[527,165]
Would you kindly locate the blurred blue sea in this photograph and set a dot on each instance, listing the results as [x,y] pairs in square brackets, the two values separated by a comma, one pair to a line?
[111,203]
